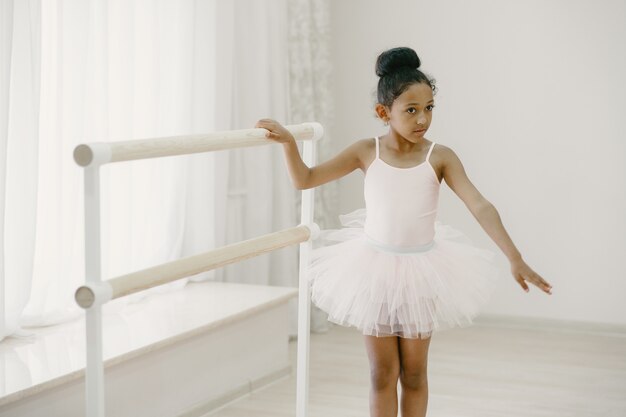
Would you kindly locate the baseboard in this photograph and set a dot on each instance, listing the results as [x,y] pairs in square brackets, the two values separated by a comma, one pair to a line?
[551,325]
[205,409]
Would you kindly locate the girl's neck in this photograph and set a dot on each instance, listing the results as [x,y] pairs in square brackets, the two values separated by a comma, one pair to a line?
[399,144]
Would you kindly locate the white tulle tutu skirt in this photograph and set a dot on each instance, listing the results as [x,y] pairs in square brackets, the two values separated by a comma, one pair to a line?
[411,295]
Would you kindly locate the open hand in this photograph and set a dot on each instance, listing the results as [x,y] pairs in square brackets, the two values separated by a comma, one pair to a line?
[275,131]
[522,272]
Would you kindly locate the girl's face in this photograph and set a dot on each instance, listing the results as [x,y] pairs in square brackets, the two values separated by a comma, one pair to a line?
[411,112]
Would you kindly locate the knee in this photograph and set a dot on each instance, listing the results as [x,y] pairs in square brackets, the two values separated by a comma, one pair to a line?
[413,379]
[383,377]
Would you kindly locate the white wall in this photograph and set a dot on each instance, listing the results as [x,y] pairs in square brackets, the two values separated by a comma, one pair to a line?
[532,97]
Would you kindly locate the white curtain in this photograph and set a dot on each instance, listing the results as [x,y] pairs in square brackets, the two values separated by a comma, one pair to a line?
[290,82]
[310,98]
[260,195]
[115,70]
[19,140]
[110,70]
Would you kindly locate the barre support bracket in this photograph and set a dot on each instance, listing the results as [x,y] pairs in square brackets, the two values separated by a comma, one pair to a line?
[93,294]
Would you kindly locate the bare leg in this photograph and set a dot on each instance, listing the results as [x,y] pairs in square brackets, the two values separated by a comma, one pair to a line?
[383,354]
[413,376]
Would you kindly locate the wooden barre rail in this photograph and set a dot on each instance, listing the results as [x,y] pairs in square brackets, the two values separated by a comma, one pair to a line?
[88,295]
[99,153]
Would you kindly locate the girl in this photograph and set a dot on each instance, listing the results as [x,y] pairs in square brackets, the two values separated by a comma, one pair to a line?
[394,272]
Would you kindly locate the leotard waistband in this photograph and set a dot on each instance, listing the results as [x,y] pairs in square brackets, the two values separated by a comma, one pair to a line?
[400,250]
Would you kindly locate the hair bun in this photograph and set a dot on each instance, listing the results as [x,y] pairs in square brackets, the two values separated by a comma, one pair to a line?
[392,59]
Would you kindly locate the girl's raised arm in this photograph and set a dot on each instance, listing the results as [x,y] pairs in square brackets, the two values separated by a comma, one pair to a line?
[488,217]
[303,177]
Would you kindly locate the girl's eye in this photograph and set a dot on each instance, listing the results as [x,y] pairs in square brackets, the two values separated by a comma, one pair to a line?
[430,107]
[411,110]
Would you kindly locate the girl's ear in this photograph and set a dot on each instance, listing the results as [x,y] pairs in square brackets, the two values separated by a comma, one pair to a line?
[383,112]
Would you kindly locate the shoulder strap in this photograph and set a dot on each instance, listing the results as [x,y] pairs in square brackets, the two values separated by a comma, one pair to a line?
[377,148]
[430,150]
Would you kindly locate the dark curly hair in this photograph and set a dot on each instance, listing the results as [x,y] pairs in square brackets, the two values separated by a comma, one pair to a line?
[398,70]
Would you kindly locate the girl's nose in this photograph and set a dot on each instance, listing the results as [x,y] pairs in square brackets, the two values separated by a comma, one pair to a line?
[421,119]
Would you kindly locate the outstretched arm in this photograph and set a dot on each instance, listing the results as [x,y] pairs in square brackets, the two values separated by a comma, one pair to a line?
[301,175]
[488,217]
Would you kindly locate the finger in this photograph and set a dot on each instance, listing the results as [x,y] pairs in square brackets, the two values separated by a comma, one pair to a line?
[542,282]
[540,279]
[268,123]
[265,122]
[547,288]
[521,282]
[267,130]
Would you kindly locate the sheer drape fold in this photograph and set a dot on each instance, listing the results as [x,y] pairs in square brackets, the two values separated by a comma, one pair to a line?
[19,140]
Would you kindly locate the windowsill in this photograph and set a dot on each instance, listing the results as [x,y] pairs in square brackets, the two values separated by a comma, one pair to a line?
[56,354]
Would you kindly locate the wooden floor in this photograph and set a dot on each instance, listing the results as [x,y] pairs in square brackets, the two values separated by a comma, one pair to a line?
[478,371]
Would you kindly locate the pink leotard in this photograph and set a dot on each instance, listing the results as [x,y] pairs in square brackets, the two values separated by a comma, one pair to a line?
[401,204]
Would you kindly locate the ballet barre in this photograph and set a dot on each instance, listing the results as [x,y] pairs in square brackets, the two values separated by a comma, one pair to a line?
[87,295]
[100,153]
[97,292]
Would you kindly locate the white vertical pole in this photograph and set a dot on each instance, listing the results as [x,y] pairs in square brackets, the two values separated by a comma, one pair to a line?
[304,297]
[94,370]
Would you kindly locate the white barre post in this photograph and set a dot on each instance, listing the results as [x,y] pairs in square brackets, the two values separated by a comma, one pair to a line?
[94,369]
[304,293]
